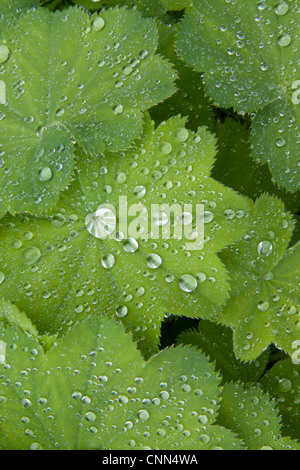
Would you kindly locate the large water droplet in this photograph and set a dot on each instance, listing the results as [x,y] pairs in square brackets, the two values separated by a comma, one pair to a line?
[284,40]
[108,261]
[187,218]
[90,416]
[188,283]
[207,217]
[143,415]
[166,148]
[154,261]
[45,174]
[139,191]
[263,305]
[121,311]
[118,109]
[2,277]
[130,245]
[280,142]
[4,53]
[285,385]
[265,248]
[101,223]
[31,255]
[182,134]
[98,23]
[282,8]
[160,218]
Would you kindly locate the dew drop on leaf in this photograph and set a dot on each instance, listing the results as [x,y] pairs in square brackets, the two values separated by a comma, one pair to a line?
[121,311]
[166,148]
[90,416]
[284,40]
[154,261]
[130,245]
[282,8]
[187,283]
[285,385]
[108,261]
[263,306]
[31,255]
[143,415]
[160,218]
[139,191]
[265,248]
[98,23]
[4,53]
[45,174]
[101,223]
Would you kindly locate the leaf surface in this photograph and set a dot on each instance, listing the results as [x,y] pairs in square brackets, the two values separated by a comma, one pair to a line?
[144,273]
[249,52]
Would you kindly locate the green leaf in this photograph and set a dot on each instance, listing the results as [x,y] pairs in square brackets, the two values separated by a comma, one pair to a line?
[89,4]
[50,4]
[282,382]
[65,266]
[147,8]
[216,343]
[91,90]
[253,417]
[249,53]
[235,167]
[10,11]
[9,314]
[93,391]
[174,5]
[264,303]
[190,99]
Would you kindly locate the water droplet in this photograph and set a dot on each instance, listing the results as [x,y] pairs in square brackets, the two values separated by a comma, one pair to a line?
[182,134]
[36,446]
[263,305]
[203,419]
[31,255]
[108,261]
[285,385]
[101,223]
[160,218]
[188,283]
[139,191]
[292,310]
[264,67]
[204,438]
[187,218]
[2,277]
[4,53]
[201,277]
[154,261]
[26,403]
[282,8]
[284,40]
[98,23]
[265,248]
[130,245]
[121,311]
[229,214]
[90,416]
[143,415]
[280,142]
[166,148]
[207,217]
[143,54]
[45,174]
[118,109]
